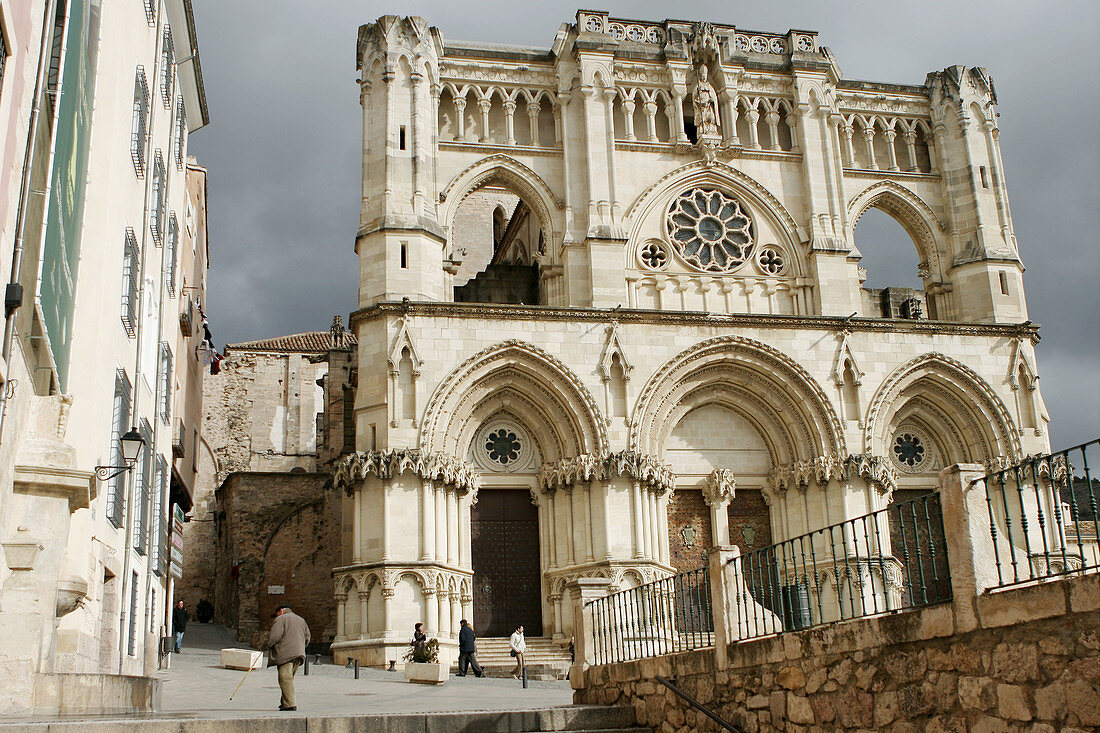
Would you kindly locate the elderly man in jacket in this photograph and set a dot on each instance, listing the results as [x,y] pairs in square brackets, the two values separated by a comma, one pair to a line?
[286,649]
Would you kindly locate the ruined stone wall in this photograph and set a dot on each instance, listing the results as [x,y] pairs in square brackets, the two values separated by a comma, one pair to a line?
[1032,665]
[280,531]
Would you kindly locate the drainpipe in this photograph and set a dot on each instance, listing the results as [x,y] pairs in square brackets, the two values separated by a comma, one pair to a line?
[13,295]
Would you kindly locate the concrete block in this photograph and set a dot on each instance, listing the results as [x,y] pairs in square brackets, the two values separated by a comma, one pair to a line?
[241,658]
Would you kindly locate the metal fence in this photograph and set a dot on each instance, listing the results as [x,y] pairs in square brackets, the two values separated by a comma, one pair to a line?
[1043,516]
[889,560]
[663,617]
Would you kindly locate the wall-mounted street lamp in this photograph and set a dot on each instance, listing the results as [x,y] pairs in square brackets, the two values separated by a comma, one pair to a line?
[132,443]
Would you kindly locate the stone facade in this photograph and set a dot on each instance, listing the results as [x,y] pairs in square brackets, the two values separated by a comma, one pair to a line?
[102,227]
[700,321]
[273,423]
[1032,665]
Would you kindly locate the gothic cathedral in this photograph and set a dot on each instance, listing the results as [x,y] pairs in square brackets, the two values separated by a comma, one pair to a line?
[611,312]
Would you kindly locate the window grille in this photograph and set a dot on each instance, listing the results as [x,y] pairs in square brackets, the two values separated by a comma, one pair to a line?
[143,479]
[116,487]
[131,640]
[156,214]
[159,532]
[53,76]
[171,253]
[181,132]
[151,11]
[140,128]
[167,73]
[130,283]
[165,383]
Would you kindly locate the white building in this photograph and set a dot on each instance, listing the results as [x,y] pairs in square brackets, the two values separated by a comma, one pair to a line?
[684,354]
[104,234]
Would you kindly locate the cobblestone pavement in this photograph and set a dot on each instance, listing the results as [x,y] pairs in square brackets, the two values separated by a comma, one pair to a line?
[197,685]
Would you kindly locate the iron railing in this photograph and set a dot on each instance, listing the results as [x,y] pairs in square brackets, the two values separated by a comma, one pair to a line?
[666,616]
[889,560]
[1043,518]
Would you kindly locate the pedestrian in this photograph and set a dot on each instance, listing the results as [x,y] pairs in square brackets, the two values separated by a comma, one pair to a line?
[419,637]
[180,617]
[286,650]
[467,650]
[518,646]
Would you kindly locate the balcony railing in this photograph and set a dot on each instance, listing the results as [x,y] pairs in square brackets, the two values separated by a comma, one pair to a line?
[1043,518]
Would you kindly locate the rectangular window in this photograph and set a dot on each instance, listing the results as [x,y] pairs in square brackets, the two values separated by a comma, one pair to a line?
[373,437]
[165,383]
[150,11]
[120,420]
[171,254]
[401,138]
[139,130]
[1004,282]
[131,634]
[156,213]
[181,132]
[985,176]
[404,256]
[167,68]
[160,535]
[130,275]
[143,479]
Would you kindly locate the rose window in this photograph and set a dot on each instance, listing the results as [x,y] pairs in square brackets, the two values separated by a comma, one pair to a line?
[760,45]
[805,43]
[909,450]
[777,46]
[741,43]
[617,31]
[503,446]
[710,230]
[635,33]
[593,24]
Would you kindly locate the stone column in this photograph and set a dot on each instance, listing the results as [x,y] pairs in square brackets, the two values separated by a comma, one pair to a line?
[431,612]
[456,613]
[444,609]
[636,511]
[552,528]
[440,522]
[341,602]
[650,109]
[718,491]
[678,111]
[849,153]
[771,119]
[580,592]
[386,529]
[465,505]
[647,528]
[628,118]
[890,137]
[570,508]
[730,120]
[485,105]
[468,608]
[509,124]
[533,122]
[911,149]
[426,535]
[452,527]
[460,112]
[587,499]
[357,525]
[662,528]
[363,629]
[754,135]
[970,546]
[869,138]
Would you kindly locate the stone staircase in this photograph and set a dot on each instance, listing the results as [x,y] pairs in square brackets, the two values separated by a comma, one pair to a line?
[545,659]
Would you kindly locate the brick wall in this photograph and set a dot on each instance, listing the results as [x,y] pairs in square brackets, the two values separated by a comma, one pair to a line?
[1033,665]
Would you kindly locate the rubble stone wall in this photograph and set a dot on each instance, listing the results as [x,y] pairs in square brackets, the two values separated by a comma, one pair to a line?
[1032,665]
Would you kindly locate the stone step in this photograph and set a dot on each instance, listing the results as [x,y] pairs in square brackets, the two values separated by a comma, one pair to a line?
[591,718]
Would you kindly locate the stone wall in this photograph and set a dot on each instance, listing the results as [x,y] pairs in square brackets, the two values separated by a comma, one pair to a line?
[1033,664]
[278,530]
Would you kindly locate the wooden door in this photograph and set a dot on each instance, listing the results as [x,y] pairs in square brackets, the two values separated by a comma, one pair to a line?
[505,553]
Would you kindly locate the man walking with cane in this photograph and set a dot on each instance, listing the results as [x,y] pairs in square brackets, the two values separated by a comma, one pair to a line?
[286,650]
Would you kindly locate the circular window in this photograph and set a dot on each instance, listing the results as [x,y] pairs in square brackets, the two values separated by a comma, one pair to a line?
[771,260]
[710,230]
[502,446]
[912,451]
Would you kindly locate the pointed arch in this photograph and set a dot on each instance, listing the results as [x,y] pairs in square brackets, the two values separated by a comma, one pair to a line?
[782,400]
[525,382]
[910,211]
[507,171]
[966,410]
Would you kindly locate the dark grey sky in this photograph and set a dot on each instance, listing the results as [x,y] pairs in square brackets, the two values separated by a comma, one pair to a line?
[283,146]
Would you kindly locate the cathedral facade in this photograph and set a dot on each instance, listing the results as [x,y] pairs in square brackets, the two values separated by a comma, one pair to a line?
[611,312]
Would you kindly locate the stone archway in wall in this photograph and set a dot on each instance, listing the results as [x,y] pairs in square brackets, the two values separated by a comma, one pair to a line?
[297,565]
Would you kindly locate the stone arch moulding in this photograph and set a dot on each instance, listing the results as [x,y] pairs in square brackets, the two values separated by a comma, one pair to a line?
[527,184]
[910,210]
[537,381]
[797,404]
[978,406]
[701,172]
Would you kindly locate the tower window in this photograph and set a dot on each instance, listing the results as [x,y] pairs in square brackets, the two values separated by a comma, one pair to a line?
[985,176]
[401,138]
[1004,282]
[404,256]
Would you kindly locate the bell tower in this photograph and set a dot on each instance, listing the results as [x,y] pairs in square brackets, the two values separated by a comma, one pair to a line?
[400,241]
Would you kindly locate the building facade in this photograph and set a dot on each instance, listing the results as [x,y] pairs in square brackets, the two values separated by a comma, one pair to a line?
[105,248]
[661,340]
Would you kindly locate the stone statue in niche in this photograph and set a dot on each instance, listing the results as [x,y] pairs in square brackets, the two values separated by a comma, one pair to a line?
[705,101]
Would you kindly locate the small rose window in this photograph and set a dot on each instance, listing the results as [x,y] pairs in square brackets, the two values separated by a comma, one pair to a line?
[710,230]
